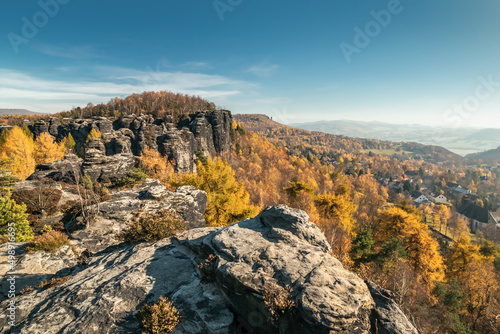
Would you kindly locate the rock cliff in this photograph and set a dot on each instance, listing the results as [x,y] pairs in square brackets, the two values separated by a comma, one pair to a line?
[279,247]
[125,138]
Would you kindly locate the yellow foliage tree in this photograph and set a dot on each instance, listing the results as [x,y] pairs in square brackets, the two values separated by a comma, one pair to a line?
[228,201]
[156,165]
[47,150]
[339,208]
[18,152]
[94,133]
[460,254]
[422,249]
[479,284]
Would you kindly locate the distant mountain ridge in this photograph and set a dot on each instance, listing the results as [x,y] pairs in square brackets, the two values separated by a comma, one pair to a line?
[6,111]
[297,139]
[489,155]
[461,141]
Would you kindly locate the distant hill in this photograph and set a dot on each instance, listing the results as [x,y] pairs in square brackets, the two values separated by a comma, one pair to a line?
[458,140]
[324,143]
[490,155]
[5,112]
[485,134]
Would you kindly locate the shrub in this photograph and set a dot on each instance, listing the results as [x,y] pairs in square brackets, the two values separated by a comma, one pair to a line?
[153,227]
[136,176]
[46,284]
[13,220]
[39,200]
[48,242]
[46,229]
[277,301]
[160,317]
[207,269]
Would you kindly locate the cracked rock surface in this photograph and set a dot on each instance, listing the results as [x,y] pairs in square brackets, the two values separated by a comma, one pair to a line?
[279,247]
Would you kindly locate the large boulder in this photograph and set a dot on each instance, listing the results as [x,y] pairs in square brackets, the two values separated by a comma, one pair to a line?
[279,247]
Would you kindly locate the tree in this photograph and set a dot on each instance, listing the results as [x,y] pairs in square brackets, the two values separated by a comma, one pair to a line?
[461,253]
[479,284]
[14,215]
[422,249]
[47,150]
[18,151]
[228,201]
[443,214]
[70,142]
[338,208]
[156,165]
[94,133]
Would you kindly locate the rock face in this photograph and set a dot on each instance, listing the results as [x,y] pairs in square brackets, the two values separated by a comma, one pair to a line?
[128,136]
[277,248]
[33,269]
[62,171]
[108,219]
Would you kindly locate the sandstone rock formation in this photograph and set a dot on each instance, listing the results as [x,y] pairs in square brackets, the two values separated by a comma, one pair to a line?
[126,137]
[33,269]
[108,219]
[277,248]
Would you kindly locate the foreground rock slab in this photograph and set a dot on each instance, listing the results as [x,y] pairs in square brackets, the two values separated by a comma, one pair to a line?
[279,247]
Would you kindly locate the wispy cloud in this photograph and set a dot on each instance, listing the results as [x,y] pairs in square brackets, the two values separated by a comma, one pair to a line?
[262,70]
[196,65]
[71,52]
[18,89]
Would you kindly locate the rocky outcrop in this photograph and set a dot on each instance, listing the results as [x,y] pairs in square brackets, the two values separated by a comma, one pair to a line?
[128,136]
[388,317]
[277,248]
[107,220]
[35,268]
[105,168]
[63,171]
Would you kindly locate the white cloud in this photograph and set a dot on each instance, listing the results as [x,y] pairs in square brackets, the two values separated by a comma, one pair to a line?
[20,90]
[71,52]
[263,70]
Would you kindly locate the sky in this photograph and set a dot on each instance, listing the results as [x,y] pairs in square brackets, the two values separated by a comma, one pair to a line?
[408,61]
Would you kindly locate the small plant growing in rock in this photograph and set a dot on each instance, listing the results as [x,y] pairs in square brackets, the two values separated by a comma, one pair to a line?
[49,242]
[160,317]
[153,227]
[207,269]
[136,176]
[46,229]
[46,284]
[277,301]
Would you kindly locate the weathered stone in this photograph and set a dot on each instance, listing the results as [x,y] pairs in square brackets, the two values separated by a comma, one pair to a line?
[277,248]
[207,131]
[388,319]
[32,269]
[63,170]
[109,219]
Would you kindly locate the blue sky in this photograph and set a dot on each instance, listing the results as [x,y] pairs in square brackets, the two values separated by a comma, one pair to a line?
[429,62]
